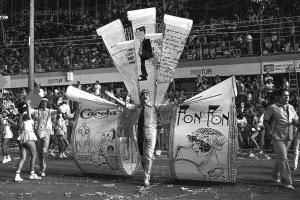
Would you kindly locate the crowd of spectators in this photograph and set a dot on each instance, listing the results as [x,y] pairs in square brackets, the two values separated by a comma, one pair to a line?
[65,41]
[255,92]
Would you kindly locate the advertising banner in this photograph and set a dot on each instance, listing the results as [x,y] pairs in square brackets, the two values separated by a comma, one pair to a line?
[203,144]
[279,67]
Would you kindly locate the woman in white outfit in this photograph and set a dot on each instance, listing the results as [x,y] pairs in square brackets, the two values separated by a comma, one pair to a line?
[26,141]
[6,134]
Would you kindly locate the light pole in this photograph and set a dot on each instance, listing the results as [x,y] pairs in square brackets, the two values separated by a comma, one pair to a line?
[31,48]
[2,18]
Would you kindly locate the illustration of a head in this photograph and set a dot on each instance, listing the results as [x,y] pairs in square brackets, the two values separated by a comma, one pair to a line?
[144,96]
[140,32]
[204,140]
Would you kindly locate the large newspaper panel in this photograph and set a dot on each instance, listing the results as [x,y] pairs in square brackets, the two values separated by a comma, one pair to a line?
[203,141]
[113,34]
[99,143]
[143,22]
[176,33]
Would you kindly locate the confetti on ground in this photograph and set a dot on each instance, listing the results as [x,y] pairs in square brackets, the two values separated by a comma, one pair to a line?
[109,185]
[68,194]
[252,195]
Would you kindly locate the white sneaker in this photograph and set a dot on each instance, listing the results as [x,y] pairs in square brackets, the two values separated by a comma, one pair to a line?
[43,174]
[4,160]
[18,178]
[52,153]
[61,155]
[64,155]
[34,176]
[252,155]
[8,158]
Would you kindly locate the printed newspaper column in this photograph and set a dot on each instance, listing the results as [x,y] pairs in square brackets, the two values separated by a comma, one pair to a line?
[156,43]
[129,70]
[176,33]
[144,22]
[112,34]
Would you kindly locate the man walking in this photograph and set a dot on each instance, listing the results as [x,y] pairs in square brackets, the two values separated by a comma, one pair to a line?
[279,119]
[43,119]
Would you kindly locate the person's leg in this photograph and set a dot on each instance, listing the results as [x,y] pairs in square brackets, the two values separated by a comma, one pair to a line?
[45,147]
[4,146]
[149,146]
[6,157]
[253,136]
[33,154]
[22,159]
[60,144]
[282,165]
[296,153]
[65,144]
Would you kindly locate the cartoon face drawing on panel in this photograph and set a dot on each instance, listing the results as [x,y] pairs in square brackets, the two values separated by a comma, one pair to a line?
[204,144]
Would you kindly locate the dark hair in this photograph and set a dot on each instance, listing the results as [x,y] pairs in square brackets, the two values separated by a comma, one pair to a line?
[22,107]
[25,117]
[142,28]
[280,91]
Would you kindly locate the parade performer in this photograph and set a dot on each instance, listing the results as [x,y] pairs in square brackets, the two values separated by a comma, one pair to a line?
[43,117]
[26,141]
[147,132]
[6,134]
[279,119]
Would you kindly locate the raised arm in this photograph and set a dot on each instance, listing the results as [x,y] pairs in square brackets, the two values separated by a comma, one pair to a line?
[118,101]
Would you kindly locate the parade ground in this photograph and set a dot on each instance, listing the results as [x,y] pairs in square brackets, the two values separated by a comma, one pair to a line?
[65,181]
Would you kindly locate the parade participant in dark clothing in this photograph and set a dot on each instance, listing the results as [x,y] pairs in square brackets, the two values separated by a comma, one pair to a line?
[145,51]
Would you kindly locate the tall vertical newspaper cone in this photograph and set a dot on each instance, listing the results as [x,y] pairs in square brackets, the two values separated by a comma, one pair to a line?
[113,34]
[143,22]
[176,33]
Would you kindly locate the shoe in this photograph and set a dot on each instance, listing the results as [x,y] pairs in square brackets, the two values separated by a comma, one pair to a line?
[52,153]
[277,181]
[8,159]
[61,155]
[290,187]
[64,155]
[18,178]
[43,174]
[34,176]
[252,155]
[4,160]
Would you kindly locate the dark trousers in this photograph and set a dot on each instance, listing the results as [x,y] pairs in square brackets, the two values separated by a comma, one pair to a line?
[143,67]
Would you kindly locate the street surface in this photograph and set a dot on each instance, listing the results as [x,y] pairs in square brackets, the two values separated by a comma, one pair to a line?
[65,181]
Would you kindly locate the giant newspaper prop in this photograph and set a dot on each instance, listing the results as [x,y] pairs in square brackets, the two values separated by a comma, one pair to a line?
[203,141]
[99,145]
[201,136]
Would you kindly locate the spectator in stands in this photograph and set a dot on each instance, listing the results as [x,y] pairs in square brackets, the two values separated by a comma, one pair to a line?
[242,127]
[269,87]
[249,41]
[285,84]
[97,89]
